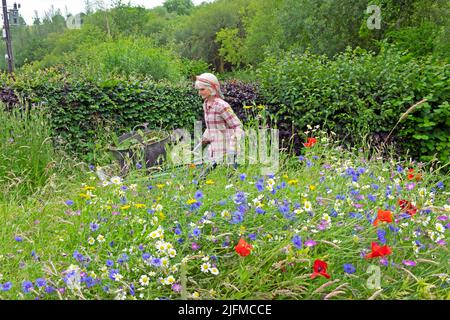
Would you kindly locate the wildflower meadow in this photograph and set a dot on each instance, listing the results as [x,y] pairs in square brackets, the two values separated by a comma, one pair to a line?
[332,223]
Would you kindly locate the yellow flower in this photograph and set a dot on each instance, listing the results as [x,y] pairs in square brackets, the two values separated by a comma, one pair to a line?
[248,107]
[261,107]
[162,216]
[85,196]
[285,176]
[139,205]
[209,181]
[311,187]
[191,201]
[86,188]
[160,186]
[293,181]
[125,207]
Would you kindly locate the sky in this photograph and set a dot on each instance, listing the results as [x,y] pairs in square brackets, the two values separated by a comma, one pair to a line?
[28,7]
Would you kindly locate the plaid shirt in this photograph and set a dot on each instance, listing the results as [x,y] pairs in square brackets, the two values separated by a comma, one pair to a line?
[223,128]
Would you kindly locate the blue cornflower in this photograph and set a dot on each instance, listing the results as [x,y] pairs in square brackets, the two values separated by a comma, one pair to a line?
[375,186]
[112,243]
[315,157]
[240,198]
[141,247]
[18,238]
[149,187]
[49,289]
[222,202]
[132,291]
[124,188]
[112,274]
[91,167]
[252,236]
[27,286]
[41,282]
[78,256]
[198,195]
[301,158]
[177,231]
[196,232]
[399,169]
[284,209]
[146,256]
[297,241]
[109,263]
[349,268]
[238,217]
[94,226]
[361,170]
[69,202]
[372,198]
[309,164]
[123,258]
[259,210]
[138,165]
[89,281]
[123,200]
[381,236]
[156,262]
[440,185]
[6,286]
[333,213]
[242,176]
[259,185]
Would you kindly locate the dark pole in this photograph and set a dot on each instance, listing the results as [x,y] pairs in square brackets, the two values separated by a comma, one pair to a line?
[7,38]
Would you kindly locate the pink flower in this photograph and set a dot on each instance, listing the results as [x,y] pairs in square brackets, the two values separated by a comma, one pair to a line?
[310,243]
[410,186]
[409,263]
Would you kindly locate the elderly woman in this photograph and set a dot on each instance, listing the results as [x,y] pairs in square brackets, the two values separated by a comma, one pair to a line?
[223,127]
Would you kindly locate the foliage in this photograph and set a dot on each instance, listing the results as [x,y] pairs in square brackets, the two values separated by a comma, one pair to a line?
[358,93]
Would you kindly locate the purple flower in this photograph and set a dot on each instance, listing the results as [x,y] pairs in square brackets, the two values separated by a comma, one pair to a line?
[195,246]
[198,195]
[41,282]
[297,240]
[384,261]
[442,218]
[310,243]
[301,158]
[138,165]
[18,238]
[242,176]
[196,232]
[94,226]
[409,263]
[176,287]
[69,202]
[6,286]
[349,268]
[27,286]
[259,210]
[410,186]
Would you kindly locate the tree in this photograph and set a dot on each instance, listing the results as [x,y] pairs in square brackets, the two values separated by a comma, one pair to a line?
[181,7]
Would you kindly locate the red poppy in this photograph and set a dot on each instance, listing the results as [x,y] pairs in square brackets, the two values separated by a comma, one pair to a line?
[243,248]
[320,269]
[385,216]
[412,175]
[310,142]
[407,206]
[378,251]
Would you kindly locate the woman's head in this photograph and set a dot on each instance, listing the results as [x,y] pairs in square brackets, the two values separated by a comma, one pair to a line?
[208,85]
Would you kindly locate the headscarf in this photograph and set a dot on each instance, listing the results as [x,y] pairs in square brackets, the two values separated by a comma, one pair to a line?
[210,81]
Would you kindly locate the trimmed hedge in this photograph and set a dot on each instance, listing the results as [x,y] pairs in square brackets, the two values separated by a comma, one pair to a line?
[83,109]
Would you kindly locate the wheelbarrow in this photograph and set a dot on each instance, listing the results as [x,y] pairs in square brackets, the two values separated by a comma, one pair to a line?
[136,149]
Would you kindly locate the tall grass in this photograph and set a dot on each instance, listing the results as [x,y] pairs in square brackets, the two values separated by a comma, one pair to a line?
[26,151]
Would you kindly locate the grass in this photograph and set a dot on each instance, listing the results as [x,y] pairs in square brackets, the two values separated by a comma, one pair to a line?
[87,239]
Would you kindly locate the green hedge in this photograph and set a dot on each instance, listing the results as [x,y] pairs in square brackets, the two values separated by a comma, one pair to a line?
[82,110]
[358,93]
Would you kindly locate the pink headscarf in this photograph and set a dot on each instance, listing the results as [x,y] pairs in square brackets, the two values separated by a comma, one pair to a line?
[210,81]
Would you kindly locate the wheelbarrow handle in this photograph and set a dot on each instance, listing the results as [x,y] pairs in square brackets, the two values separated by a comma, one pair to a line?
[141,125]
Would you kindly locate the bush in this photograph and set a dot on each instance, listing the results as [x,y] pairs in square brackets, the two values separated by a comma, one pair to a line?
[357,93]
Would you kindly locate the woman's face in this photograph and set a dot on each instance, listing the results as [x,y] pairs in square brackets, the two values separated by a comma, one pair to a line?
[204,92]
